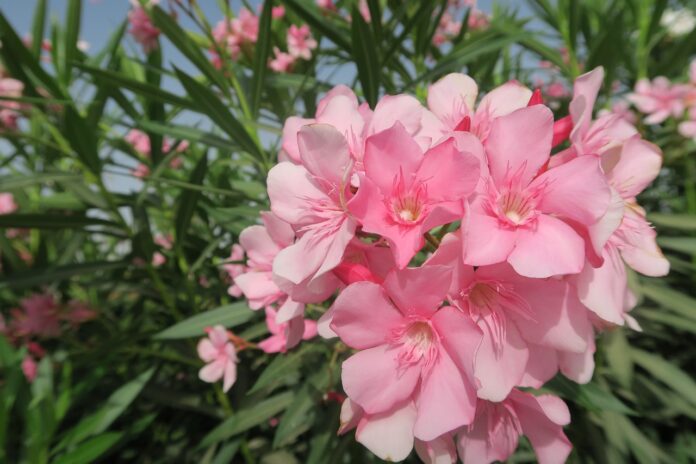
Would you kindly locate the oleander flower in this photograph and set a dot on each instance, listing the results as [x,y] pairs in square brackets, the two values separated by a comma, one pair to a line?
[220,357]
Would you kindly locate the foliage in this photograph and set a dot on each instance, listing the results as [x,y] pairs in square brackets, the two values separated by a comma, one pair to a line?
[124,386]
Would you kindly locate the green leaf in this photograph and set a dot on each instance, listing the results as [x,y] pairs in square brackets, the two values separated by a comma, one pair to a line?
[72,34]
[248,417]
[591,396]
[283,366]
[675,221]
[211,105]
[15,181]
[38,27]
[365,54]
[299,416]
[188,133]
[99,421]
[228,316]
[668,373]
[141,88]
[671,299]
[186,46]
[91,449]
[261,53]
[53,275]
[188,200]
[49,221]
[681,244]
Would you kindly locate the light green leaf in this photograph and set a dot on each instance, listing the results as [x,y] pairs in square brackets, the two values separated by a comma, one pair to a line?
[228,316]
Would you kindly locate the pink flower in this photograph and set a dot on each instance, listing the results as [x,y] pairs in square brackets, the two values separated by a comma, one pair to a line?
[236,34]
[622,110]
[10,110]
[286,335]
[78,312]
[278,12]
[390,437]
[158,259]
[141,171]
[7,203]
[478,20]
[494,434]
[29,368]
[38,317]
[516,315]
[220,357]
[452,100]
[557,90]
[410,349]
[405,193]
[313,199]
[364,9]
[234,270]
[300,42]
[326,5]
[524,216]
[139,140]
[688,128]
[658,99]
[447,28]
[141,27]
[282,63]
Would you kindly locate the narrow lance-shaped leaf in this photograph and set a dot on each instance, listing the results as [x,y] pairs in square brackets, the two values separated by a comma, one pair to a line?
[261,53]
[366,59]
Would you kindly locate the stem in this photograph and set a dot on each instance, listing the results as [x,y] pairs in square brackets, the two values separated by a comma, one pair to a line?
[435,243]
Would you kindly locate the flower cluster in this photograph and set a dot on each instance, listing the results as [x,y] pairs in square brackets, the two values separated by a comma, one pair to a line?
[449,28]
[10,111]
[141,27]
[660,99]
[41,317]
[140,142]
[474,248]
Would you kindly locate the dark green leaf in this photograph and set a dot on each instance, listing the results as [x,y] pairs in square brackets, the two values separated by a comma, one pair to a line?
[365,54]
[228,316]
[188,200]
[261,53]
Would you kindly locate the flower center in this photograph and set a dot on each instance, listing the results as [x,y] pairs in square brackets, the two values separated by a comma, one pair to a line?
[482,295]
[407,209]
[417,343]
[516,207]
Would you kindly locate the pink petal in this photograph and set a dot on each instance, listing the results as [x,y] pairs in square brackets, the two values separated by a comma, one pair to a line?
[289,310]
[258,245]
[273,344]
[460,338]
[452,98]
[230,376]
[389,152]
[372,378]
[575,190]
[418,290]
[442,403]
[212,372]
[389,435]
[499,371]
[503,100]
[602,289]
[639,250]
[560,320]
[257,285]
[546,435]
[552,248]
[289,189]
[486,241]
[396,109]
[294,332]
[280,231]
[585,89]
[324,152]
[363,316]
[290,129]
[520,142]
[206,351]
[578,366]
[449,173]
[438,451]
[542,365]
